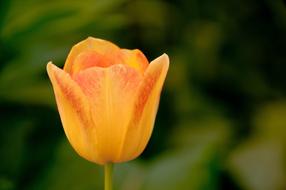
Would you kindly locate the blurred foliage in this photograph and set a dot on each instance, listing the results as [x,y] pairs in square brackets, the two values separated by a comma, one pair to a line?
[221,122]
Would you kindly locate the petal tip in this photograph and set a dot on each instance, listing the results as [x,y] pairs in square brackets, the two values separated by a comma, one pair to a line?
[162,60]
[165,61]
[165,58]
[50,67]
[91,39]
[53,70]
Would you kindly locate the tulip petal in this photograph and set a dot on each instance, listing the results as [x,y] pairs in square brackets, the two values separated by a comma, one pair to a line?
[98,46]
[111,92]
[75,113]
[140,128]
[90,59]
[135,59]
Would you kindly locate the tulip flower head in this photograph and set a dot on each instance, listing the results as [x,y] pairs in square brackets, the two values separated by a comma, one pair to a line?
[108,98]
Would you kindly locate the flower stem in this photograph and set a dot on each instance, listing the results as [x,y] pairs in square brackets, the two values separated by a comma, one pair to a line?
[108,176]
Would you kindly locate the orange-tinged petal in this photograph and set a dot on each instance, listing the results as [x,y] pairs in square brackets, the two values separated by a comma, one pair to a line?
[111,92]
[75,113]
[99,46]
[135,59]
[89,59]
[145,109]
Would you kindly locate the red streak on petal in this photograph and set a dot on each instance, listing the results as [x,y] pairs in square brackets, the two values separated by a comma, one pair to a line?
[73,99]
[148,85]
[123,79]
[90,81]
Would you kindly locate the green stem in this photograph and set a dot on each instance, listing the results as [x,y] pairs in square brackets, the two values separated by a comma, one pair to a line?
[108,176]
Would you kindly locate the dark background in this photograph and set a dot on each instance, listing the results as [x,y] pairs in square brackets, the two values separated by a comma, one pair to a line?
[222,117]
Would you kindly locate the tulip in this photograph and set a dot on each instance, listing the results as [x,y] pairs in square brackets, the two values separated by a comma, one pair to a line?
[107,99]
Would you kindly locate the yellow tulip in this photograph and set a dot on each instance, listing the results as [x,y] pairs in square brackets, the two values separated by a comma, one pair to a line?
[108,98]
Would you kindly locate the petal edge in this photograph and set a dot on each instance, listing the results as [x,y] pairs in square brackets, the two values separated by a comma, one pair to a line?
[74,113]
[145,110]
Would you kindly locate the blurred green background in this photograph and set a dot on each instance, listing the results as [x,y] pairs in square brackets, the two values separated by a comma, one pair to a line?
[222,117]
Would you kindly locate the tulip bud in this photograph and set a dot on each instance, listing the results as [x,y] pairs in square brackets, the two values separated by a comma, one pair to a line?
[108,98]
